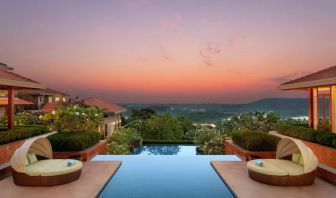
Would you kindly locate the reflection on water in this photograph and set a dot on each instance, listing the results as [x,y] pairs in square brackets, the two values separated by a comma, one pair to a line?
[171,149]
[159,150]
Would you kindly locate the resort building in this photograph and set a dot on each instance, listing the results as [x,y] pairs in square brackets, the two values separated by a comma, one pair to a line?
[18,104]
[11,82]
[42,97]
[321,87]
[112,114]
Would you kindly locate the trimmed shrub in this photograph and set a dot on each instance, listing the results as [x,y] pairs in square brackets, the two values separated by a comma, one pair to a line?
[209,141]
[77,141]
[168,142]
[255,141]
[119,142]
[74,118]
[308,134]
[22,132]
[325,138]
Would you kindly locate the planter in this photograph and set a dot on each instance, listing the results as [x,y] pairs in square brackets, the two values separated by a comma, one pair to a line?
[85,155]
[233,149]
[136,144]
[7,150]
[325,155]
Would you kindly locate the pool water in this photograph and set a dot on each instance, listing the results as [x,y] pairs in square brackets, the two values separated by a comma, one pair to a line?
[166,149]
[179,175]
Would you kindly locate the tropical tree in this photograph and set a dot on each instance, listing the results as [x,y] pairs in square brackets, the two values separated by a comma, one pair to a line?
[209,141]
[142,114]
[165,127]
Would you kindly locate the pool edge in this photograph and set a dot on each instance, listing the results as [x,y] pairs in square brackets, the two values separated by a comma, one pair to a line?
[107,181]
[226,184]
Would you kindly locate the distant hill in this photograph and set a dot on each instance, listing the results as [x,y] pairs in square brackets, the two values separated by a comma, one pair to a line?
[286,107]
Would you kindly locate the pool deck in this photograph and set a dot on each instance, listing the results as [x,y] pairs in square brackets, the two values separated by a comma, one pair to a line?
[95,175]
[235,175]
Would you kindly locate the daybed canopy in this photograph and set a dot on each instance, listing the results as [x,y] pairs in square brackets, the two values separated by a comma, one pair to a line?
[40,146]
[288,146]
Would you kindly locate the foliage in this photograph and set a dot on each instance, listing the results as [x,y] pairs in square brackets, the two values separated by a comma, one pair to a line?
[296,122]
[19,133]
[115,148]
[165,127]
[308,134]
[119,142]
[255,141]
[3,120]
[209,141]
[257,121]
[136,124]
[74,119]
[168,142]
[142,114]
[186,124]
[24,118]
[64,141]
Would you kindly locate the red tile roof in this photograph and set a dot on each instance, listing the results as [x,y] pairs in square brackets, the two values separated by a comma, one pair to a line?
[17,80]
[319,75]
[49,107]
[5,74]
[323,77]
[17,101]
[104,105]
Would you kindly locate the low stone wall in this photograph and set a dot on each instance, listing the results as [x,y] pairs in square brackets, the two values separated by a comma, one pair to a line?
[98,149]
[233,149]
[325,155]
[7,150]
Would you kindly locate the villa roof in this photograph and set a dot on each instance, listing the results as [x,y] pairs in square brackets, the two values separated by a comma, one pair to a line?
[17,101]
[323,77]
[43,92]
[108,107]
[50,106]
[10,79]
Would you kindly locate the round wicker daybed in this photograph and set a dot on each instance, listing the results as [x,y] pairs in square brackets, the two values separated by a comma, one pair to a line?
[28,171]
[295,165]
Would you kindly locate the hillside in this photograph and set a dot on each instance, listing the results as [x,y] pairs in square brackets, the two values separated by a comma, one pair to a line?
[286,107]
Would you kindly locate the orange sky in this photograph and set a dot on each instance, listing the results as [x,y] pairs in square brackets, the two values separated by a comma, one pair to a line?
[168,51]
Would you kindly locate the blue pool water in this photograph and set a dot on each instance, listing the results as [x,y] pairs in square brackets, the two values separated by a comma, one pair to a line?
[181,175]
[166,149]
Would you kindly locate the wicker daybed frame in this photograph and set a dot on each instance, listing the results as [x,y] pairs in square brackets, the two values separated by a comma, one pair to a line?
[41,147]
[23,179]
[300,180]
[285,148]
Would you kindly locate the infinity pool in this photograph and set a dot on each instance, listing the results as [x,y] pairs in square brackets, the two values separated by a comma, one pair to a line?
[166,149]
[166,176]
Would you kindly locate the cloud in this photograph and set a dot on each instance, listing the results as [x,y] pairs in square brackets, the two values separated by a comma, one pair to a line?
[209,52]
[236,40]
[143,59]
[164,54]
[172,24]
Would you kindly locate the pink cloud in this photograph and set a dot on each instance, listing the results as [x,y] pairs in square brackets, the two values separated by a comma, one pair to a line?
[173,23]
[208,52]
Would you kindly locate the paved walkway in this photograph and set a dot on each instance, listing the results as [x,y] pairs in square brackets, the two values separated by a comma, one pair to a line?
[236,177]
[94,176]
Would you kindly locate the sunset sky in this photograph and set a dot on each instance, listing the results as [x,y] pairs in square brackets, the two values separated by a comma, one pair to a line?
[182,51]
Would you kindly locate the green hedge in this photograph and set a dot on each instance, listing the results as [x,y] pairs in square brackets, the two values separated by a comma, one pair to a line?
[73,141]
[308,134]
[167,142]
[22,132]
[255,141]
